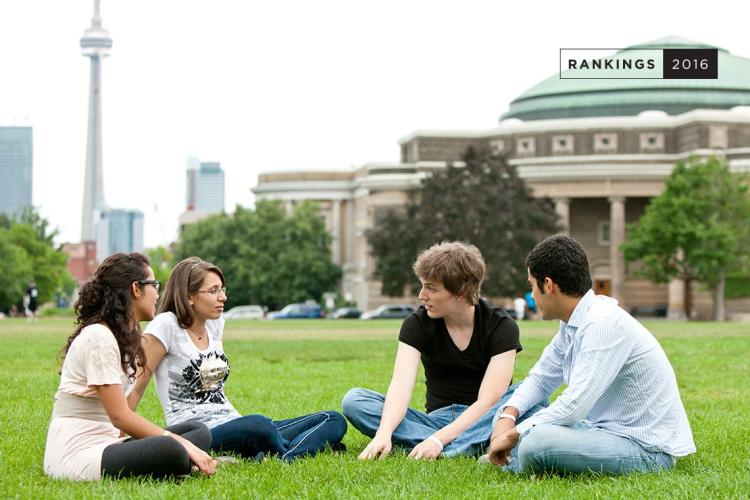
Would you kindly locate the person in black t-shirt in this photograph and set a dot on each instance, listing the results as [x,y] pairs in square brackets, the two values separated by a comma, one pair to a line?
[468,349]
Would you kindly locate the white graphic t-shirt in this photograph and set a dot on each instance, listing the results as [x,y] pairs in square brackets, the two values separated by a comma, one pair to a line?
[190,382]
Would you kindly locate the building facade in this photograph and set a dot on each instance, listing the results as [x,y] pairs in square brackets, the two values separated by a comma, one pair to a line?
[119,230]
[16,169]
[204,193]
[600,149]
[82,262]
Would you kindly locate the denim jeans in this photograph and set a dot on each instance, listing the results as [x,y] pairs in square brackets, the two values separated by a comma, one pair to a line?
[364,408]
[581,448]
[289,439]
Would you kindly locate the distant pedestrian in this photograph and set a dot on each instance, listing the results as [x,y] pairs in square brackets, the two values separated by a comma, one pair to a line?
[530,305]
[519,306]
[32,292]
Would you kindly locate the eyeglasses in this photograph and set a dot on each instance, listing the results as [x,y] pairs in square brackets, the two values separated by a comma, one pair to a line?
[215,291]
[155,283]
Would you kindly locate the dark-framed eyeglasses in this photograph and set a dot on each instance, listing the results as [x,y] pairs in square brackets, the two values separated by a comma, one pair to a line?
[215,291]
[155,283]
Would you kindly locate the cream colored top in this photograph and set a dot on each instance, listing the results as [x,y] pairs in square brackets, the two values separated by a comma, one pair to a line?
[80,429]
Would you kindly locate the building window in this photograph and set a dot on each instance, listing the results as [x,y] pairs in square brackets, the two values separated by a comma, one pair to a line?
[497,147]
[603,233]
[605,142]
[562,144]
[525,146]
[718,137]
[652,141]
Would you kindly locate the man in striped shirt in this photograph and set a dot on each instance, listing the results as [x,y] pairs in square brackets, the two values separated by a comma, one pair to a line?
[621,410]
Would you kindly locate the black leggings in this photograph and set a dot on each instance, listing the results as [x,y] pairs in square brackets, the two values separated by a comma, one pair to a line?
[155,456]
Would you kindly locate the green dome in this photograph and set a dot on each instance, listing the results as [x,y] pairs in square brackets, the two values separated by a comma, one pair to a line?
[569,98]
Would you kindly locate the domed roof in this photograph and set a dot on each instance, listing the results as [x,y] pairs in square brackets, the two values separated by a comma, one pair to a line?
[576,98]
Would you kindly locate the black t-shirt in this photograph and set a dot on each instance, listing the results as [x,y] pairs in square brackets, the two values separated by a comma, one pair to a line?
[454,376]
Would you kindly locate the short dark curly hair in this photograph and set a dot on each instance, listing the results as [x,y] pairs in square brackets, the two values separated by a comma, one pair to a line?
[563,260]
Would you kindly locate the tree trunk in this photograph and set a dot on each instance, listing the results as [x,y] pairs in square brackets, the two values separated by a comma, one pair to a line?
[719,310]
[688,299]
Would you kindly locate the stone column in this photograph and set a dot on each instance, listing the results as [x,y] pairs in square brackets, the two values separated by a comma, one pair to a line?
[676,297]
[562,208]
[336,231]
[617,238]
[349,246]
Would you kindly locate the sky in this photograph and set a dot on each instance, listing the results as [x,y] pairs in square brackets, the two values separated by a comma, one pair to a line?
[264,86]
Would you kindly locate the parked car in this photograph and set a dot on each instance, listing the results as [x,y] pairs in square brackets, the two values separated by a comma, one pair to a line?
[659,311]
[245,312]
[398,311]
[345,312]
[298,311]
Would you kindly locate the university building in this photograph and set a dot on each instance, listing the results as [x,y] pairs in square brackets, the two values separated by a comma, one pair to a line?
[600,149]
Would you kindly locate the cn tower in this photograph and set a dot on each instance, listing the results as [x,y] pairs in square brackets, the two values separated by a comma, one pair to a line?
[95,43]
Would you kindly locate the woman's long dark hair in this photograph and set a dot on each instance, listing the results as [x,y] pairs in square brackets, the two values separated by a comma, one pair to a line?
[107,299]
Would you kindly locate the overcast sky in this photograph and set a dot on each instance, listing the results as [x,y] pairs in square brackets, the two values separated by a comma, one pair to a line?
[262,86]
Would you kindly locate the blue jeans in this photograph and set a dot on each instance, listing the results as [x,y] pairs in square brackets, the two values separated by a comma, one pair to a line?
[289,439]
[364,408]
[581,448]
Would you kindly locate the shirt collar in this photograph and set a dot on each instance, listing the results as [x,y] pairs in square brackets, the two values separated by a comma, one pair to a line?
[580,313]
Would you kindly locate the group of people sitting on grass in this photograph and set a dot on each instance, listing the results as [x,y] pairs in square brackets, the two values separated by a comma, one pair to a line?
[620,411]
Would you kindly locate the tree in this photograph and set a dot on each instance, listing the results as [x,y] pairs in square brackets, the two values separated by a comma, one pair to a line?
[484,203]
[15,269]
[161,259]
[698,229]
[267,256]
[28,253]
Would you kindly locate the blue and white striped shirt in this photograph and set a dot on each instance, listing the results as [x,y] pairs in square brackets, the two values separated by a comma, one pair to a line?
[619,380]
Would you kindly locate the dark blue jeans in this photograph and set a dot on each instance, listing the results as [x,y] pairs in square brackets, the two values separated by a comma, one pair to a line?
[289,439]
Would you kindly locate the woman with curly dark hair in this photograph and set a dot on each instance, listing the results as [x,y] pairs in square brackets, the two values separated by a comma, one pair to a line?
[101,359]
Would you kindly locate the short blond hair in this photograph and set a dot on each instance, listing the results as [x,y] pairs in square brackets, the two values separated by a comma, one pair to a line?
[457,265]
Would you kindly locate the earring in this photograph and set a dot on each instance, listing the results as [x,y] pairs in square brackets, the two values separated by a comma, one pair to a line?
[458,299]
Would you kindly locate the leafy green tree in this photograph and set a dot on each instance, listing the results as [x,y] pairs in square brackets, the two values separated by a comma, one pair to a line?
[484,203]
[28,253]
[268,257]
[698,229]
[15,269]
[161,260]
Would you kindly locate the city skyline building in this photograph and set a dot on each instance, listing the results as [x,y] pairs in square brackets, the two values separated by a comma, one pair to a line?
[16,169]
[95,44]
[119,230]
[205,186]
[205,191]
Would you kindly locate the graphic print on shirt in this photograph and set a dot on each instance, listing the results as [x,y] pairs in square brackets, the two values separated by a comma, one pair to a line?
[204,378]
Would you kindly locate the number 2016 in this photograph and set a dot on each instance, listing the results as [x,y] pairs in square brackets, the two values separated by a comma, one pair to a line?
[687,64]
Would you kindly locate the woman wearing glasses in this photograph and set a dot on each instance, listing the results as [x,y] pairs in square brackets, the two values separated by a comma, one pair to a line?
[100,362]
[183,347]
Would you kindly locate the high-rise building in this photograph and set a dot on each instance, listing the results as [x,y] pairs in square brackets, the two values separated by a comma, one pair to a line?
[15,169]
[95,44]
[119,230]
[205,191]
[205,187]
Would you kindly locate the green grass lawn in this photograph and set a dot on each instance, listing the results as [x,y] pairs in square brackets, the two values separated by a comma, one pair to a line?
[287,368]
